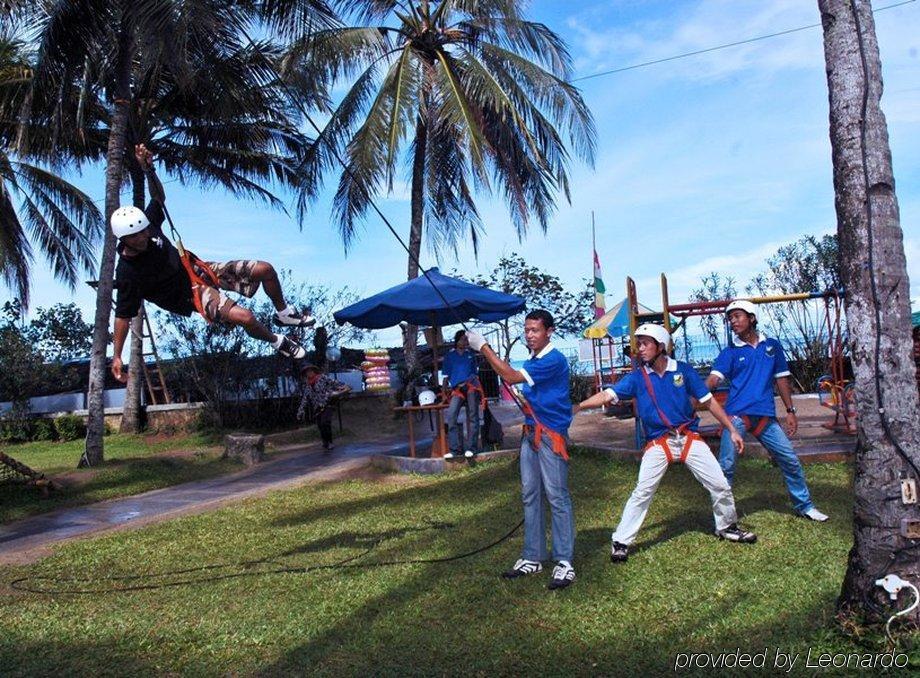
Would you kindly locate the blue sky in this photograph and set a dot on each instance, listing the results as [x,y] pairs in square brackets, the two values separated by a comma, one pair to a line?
[705,163]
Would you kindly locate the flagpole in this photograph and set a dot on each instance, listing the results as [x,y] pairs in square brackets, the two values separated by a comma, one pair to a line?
[596,353]
[593,255]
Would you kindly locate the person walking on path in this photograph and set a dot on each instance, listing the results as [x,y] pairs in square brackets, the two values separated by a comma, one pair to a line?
[663,388]
[752,364]
[544,456]
[151,268]
[317,395]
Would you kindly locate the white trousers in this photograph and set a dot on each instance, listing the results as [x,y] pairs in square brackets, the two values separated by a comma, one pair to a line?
[704,467]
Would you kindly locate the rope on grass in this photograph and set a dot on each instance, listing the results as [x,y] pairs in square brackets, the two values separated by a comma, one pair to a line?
[145,583]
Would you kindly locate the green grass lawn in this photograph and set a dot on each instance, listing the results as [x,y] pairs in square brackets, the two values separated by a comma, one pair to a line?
[220,604]
[133,464]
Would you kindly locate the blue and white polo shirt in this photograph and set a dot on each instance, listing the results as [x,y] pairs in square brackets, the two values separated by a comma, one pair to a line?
[546,388]
[752,370]
[672,390]
[459,367]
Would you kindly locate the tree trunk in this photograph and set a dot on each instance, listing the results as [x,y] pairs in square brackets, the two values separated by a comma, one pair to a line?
[95,422]
[131,414]
[874,274]
[410,336]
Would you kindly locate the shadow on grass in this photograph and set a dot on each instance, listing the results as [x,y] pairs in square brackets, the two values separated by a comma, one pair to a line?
[55,657]
[679,592]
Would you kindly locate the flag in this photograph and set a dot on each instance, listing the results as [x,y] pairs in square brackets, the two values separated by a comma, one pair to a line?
[599,304]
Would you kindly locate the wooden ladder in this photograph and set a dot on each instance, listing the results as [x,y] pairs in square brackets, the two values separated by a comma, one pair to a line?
[153,375]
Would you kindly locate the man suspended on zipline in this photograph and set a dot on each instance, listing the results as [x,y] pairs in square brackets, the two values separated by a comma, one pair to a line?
[150,268]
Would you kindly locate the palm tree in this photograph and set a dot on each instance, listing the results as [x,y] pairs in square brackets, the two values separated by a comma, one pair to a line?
[473,93]
[37,207]
[874,272]
[108,38]
[230,125]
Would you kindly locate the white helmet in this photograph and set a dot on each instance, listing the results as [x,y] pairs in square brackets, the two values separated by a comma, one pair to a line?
[426,397]
[656,332]
[743,305]
[128,221]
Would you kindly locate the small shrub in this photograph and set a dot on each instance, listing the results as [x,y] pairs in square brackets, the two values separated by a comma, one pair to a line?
[70,427]
[42,429]
[14,430]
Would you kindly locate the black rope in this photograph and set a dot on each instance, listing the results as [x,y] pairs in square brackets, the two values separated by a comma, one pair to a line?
[23,583]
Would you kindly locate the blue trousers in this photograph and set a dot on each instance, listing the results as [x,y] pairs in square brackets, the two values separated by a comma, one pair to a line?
[455,429]
[776,441]
[545,473]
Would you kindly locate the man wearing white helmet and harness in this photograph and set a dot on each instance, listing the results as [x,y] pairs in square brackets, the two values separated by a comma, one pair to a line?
[663,388]
[150,268]
[752,363]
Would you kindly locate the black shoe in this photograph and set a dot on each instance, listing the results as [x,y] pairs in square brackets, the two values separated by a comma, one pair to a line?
[328,447]
[563,575]
[294,319]
[522,568]
[618,552]
[291,349]
[736,534]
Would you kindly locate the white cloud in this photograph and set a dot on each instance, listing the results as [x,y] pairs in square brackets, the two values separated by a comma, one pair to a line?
[701,26]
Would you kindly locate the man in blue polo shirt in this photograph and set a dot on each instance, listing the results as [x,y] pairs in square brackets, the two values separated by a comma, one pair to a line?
[752,363]
[459,368]
[663,388]
[544,458]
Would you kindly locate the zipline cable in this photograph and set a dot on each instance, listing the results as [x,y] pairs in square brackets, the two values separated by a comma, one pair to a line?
[719,47]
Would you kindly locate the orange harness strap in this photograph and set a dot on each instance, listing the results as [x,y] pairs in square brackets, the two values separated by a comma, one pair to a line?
[206,278]
[557,439]
[471,385]
[759,424]
[753,425]
[558,442]
[662,441]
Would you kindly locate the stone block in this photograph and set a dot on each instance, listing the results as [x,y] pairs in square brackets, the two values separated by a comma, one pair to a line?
[248,448]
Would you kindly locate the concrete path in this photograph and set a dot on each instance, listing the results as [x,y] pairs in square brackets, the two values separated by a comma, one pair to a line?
[291,468]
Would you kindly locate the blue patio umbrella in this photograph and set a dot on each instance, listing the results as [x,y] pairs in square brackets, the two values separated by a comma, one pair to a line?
[417,302]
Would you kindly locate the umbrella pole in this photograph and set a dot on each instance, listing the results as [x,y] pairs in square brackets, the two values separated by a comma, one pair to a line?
[434,358]
[435,332]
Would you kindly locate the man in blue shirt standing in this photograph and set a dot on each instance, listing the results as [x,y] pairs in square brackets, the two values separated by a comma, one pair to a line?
[752,363]
[544,458]
[459,368]
[663,388]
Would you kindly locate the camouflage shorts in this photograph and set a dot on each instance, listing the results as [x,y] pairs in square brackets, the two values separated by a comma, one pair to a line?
[233,276]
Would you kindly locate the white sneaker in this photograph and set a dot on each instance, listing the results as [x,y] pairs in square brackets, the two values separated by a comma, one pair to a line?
[814,514]
[291,318]
[449,456]
[291,349]
[522,568]
[563,575]
[469,454]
